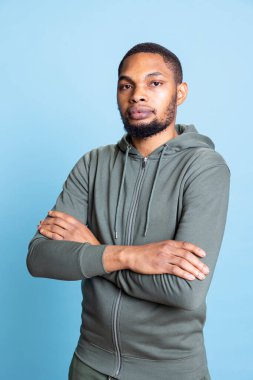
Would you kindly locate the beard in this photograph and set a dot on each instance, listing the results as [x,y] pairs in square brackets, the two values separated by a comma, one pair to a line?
[152,128]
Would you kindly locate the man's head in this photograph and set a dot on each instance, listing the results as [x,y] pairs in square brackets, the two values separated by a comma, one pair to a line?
[150,88]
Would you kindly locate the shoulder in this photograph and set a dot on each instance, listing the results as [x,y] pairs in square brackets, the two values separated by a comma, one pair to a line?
[101,153]
[204,158]
[206,166]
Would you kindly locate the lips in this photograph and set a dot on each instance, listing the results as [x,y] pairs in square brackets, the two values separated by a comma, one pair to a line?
[139,113]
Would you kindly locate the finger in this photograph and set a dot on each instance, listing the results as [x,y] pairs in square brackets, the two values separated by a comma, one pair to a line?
[56,221]
[50,234]
[175,270]
[54,229]
[190,247]
[188,267]
[59,214]
[192,259]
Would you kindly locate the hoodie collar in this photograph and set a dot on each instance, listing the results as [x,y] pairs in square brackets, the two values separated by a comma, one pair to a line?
[188,137]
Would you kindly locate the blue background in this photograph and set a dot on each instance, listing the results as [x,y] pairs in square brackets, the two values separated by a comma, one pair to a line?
[58,73]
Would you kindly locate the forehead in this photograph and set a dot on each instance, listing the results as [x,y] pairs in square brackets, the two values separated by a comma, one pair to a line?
[141,64]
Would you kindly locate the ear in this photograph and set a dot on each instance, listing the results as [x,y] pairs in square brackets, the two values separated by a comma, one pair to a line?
[182,91]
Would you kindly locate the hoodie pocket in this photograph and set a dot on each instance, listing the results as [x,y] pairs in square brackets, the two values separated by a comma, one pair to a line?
[98,297]
[158,332]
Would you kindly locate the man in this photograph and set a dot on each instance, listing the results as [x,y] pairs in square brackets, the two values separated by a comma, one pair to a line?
[141,223]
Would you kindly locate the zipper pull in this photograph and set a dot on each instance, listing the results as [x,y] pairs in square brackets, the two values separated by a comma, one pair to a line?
[144,162]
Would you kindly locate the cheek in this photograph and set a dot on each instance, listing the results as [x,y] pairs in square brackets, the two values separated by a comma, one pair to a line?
[120,98]
[119,101]
[122,103]
[162,102]
[161,97]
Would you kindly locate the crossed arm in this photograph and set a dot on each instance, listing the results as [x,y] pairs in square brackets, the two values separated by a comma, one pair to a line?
[158,272]
[168,256]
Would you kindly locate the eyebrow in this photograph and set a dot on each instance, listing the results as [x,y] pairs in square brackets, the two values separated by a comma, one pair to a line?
[126,77]
[156,73]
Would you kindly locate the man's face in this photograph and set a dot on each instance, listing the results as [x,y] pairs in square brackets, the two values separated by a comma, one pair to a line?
[146,95]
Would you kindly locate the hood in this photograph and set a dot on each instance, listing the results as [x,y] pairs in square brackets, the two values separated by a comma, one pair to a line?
[188,137]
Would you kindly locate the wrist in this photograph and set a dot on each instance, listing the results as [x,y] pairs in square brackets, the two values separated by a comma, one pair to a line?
[115,257]
[127,256]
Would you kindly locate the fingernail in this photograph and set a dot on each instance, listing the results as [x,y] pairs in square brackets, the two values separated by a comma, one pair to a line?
[206,270]
[201,276]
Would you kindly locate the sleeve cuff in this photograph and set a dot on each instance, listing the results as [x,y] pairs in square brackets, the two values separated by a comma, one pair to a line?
[91,263]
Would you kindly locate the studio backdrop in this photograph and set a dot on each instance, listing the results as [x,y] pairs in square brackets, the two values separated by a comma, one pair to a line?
[58,76]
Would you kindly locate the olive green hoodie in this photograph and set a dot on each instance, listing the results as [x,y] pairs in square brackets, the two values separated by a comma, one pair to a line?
[137,326]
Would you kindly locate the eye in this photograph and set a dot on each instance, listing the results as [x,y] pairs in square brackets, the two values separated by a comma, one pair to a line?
[156,83]
[125,86]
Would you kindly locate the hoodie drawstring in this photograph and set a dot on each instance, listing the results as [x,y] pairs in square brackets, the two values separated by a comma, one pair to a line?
[120,191]
[153,187]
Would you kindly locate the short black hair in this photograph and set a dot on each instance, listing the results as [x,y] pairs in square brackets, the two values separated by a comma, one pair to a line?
[169,58]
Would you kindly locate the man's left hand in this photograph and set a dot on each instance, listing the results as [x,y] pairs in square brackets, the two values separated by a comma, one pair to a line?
[61,226]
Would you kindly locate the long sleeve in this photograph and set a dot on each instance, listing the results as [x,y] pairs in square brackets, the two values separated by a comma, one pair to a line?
[202,222]
[67,260]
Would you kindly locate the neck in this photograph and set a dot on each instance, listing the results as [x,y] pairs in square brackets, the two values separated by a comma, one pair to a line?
[147,145]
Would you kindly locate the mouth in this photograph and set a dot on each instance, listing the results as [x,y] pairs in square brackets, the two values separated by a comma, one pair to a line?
[139,112]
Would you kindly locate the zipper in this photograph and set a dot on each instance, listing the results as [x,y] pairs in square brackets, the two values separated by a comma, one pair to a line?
[144,162]
[115,332]
[134,206]
[128,241]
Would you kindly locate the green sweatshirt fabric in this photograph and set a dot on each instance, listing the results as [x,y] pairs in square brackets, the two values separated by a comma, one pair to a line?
[137,326]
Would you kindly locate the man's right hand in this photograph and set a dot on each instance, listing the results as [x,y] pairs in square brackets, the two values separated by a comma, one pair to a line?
[168,256]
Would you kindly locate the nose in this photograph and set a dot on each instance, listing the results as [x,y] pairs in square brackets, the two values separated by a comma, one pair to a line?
[138,95]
